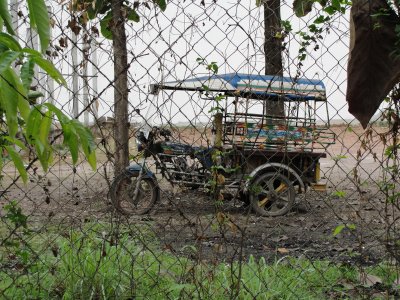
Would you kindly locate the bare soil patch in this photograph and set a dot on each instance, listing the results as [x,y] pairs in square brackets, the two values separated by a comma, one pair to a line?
[76,195]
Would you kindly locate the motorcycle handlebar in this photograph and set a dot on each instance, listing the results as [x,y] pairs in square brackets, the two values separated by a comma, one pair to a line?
[165,133]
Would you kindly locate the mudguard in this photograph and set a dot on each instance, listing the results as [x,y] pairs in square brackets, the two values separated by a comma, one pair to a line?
[272,167]
[135,169]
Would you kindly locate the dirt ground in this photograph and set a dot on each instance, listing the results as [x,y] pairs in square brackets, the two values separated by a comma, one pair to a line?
[77,195]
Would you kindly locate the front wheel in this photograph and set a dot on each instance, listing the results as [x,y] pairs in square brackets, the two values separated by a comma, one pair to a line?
[124,198]
[272,194]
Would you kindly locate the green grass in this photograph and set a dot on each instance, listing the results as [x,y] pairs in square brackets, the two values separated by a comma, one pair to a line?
[100,263]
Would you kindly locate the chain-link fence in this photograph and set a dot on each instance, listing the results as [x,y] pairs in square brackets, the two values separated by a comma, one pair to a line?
[223,199]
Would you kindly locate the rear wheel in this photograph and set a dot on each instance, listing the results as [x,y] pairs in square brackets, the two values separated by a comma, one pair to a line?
[272,194]
[123,198]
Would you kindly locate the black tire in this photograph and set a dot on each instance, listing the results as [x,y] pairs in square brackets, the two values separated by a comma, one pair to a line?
[272,194]
[122,192]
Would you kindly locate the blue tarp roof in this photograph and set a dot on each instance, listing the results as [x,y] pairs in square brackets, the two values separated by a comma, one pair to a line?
[262,86]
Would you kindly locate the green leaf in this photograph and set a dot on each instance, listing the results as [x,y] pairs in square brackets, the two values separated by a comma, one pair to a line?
[49,68]
[339,194]
[22,103]
[17,160]
[30,9]
[351,226]
[205,87]
[15,215]
[302,7]
[40,20]
[33,124]
[37,134]
[215,68]
[31,51]
[33,95]
[133,16]
[45,126]
[60,115]
[9,42]
[70,135]
[71,140]
[75,133]
[6,59]
[40,149]
[98,7]
[104,28]
[340,228]
[5,15]
[162,4]
[27,73]
[45,155]
[258,3]
[88,145]
[14,141]
[9,101]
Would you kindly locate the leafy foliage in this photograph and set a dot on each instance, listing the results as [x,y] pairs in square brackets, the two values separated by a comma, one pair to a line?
[103,10]
[20,123]
[312,36]
[40,21]
[303,7]
[5,16]
[14,215]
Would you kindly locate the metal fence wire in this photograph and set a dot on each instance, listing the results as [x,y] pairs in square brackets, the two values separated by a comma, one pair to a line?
[223,200]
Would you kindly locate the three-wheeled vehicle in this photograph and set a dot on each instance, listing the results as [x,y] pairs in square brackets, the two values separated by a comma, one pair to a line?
[265,158]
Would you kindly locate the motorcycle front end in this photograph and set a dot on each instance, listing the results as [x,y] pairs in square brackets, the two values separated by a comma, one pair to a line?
[135,190]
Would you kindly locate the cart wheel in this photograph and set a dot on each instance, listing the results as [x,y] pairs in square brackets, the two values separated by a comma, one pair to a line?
[272,194]
[122,193]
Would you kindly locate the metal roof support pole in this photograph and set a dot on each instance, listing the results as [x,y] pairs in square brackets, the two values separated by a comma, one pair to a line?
[95,74]
[75,78]
[85,96]
[49,81]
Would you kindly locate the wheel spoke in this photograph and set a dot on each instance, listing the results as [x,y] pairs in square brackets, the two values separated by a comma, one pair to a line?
[270,184]
[281,188]
[274,196]
[263,202]
[127,201]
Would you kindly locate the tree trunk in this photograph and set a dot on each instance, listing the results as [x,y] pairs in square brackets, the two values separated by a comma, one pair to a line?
[273,51]
[121,125]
